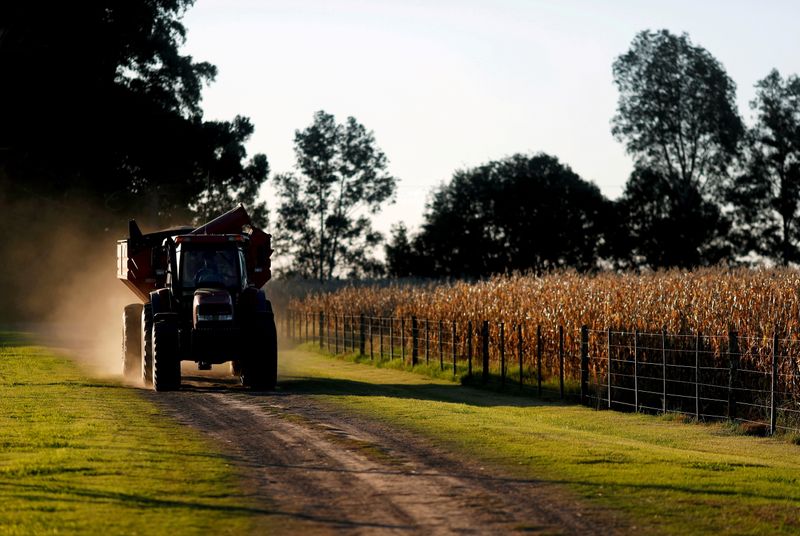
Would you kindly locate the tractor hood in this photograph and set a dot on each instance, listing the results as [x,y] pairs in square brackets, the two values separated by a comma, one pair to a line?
[211,306]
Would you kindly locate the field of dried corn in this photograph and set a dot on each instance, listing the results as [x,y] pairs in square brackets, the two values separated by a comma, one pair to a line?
[756,303]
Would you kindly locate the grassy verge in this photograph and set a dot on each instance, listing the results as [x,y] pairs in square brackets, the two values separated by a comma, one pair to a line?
[668,476]
[88,457]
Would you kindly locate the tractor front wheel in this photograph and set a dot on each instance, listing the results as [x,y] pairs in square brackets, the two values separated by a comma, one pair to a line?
[147,345]
[166,361]
[260,370]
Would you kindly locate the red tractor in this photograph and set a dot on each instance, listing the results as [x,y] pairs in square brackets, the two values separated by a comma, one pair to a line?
[201,301]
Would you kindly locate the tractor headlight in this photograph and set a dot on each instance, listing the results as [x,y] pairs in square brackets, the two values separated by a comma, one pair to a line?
[214,318]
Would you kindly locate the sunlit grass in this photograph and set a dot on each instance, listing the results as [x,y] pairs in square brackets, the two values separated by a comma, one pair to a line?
[667,475]
[79,456]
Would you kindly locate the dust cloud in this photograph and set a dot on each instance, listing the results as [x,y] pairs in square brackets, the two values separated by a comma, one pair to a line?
[58,279]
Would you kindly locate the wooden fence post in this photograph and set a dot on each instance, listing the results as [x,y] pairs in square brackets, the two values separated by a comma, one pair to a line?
[371,336]
[697,377]
[485,344]
[584,365]
[469,348]
[774,383]
[441,343]
[502,354]
[636,369]
[453,340]
[561,361]
[519,352]
[608,373]
[336,331]
[414,341]
[539,357]
[380,337]
[733,350]
[664,369]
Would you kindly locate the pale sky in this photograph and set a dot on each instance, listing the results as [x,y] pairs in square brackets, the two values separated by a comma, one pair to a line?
[446,85]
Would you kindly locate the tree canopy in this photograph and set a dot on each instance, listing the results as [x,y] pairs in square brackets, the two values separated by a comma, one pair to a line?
[99,103]
[677,116]
[325,207]
[767,192]
[519,213]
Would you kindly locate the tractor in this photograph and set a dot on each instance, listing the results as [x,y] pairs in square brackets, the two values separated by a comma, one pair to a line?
[200,300]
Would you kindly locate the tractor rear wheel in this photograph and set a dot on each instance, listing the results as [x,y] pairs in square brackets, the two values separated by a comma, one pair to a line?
[131,339]
[166,361]
[147,345]
[260,370]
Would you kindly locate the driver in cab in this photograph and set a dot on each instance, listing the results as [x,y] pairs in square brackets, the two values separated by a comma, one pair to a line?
[209,271]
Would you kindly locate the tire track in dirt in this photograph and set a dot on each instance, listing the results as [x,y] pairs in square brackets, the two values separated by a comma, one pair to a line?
[313,468]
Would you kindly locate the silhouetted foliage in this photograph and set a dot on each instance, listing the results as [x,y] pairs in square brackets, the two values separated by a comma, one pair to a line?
[669,226]
[97,102]
[677,116]
[519,213]
[326,206]
[767,193]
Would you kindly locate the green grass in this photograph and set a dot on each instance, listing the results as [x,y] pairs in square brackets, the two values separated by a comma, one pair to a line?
[79,456]
[664,474]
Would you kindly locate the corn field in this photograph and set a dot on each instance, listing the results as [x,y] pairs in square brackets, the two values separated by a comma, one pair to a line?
[756,304]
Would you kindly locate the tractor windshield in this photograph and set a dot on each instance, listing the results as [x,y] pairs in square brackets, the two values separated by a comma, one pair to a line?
[210,268]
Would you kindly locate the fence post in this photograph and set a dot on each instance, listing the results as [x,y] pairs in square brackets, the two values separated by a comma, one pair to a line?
[362,335]
[328,332]
[380,337]
[774,383]
[371,343]
[485,344]
[453,340]
[636,369]
[697,377]
[403,339]
[584,364]
[539,358]
[561,361]
[469,348]
[306,315]
[608,373]
[502,354]
[733,337]
[664,369]
[414,341]
[441,347]
[519,352]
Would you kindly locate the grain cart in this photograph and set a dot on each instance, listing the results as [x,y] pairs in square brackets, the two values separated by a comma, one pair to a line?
[201,300]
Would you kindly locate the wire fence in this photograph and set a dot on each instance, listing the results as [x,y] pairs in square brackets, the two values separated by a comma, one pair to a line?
[750,380]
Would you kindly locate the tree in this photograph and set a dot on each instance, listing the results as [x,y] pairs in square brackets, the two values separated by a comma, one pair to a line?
[668,226]
[767,193]
[677,116]
[341,180]
[520,213]
[99,104]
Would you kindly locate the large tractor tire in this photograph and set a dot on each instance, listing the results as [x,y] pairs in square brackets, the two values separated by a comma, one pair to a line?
[131,340]
[166,360]
[147,345]
[260,370]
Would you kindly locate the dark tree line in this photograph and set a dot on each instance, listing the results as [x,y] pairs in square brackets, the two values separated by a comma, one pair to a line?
[98,103]
[705,189]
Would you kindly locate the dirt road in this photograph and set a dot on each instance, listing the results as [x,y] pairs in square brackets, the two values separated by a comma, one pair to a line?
[320,471]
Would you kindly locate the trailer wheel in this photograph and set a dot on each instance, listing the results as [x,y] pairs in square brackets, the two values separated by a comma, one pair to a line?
[131,339]
[147,345]
[260,371]
[166,362]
